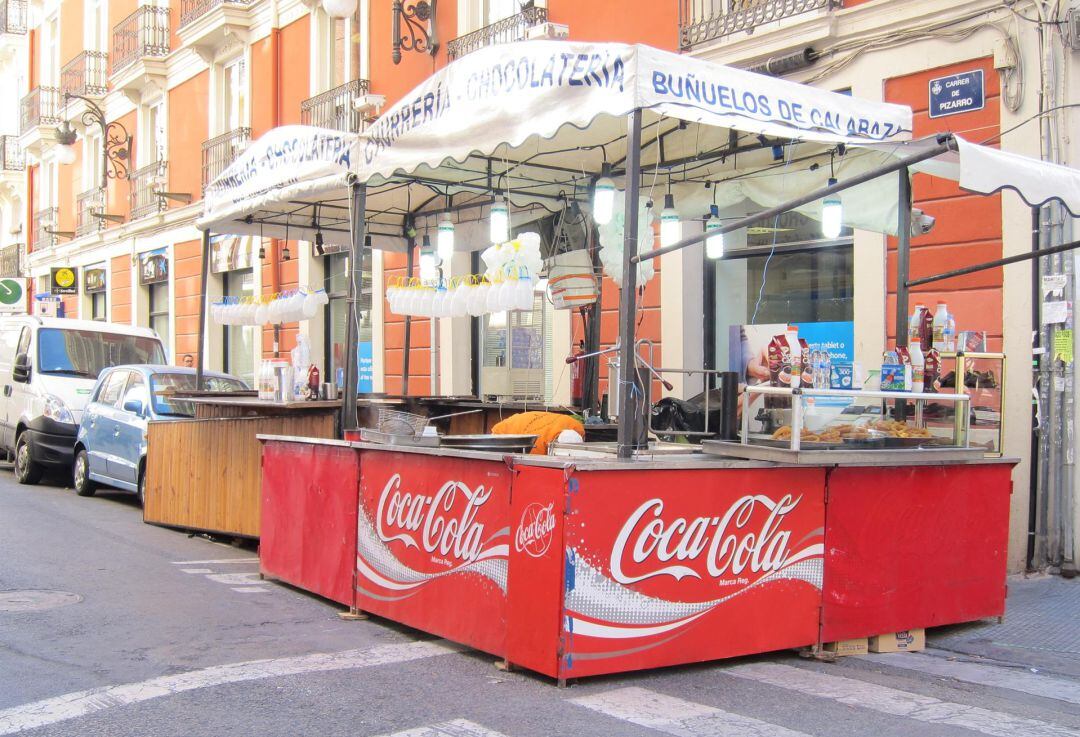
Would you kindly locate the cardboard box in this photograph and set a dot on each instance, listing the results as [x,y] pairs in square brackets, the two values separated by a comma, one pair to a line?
[907,641]
[847,647]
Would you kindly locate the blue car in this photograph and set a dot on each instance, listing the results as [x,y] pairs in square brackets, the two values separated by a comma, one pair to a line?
[110,448]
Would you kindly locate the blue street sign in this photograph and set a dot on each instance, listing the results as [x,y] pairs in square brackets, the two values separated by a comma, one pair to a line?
[957,93]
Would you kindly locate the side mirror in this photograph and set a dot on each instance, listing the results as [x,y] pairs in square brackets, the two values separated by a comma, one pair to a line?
[21,370]
[135,406]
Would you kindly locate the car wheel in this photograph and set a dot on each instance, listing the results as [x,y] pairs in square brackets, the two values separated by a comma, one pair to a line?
[81,475]
[142,487]
[27,470]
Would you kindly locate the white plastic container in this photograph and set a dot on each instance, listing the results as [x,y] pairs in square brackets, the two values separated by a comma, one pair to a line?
[940,324]
[795,349]
[915,323]
[918,366]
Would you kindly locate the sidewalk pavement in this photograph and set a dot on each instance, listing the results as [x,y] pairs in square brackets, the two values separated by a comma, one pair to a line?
[1041,631]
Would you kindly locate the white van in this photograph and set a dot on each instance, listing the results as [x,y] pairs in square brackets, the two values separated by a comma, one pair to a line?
[48,367]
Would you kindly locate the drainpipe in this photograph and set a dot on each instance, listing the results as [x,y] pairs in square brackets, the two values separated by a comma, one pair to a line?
[275,121]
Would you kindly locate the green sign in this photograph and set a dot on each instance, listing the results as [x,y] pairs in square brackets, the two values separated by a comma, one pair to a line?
[12,295]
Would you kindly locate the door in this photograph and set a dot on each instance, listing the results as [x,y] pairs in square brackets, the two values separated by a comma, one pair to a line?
[9,342]
[100,422]
[20,397]
[130,432]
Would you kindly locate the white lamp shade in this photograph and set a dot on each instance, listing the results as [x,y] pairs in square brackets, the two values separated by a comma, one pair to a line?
[832,217]
[340,8]
[603,200]
[500,221]
[444,243]
[65,154]
[714,239]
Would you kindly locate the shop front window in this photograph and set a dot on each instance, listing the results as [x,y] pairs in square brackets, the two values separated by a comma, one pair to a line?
[97,307]
[239,340]
[780,272]
[159,309]
[336,284]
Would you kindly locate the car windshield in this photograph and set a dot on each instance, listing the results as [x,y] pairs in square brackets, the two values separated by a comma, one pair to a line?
[164,385]
[86,353]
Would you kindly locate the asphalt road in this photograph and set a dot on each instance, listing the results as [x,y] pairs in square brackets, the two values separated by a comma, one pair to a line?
[159,633]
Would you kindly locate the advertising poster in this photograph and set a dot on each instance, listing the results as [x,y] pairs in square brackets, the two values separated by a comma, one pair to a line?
[153,266]
[365,367]
[65,280]
[13,296]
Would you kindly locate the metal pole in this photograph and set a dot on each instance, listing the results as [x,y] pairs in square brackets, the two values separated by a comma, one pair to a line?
[1036,359]
[1034,255]
[945,144]
[357,209]
[200,364]
[903,264]
[903,256]
[628,417]
[408,318]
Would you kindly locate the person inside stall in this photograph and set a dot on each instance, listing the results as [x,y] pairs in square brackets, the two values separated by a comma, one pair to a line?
[189,362]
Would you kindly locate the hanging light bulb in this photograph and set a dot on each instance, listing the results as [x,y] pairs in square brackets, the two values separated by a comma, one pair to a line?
[500,221]
[832,214]
[670,225]
[603,197]
[714,239]
[445,239]
[429,270]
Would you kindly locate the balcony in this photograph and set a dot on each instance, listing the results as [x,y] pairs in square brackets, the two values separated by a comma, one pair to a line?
[219,152]
[11,158]
[87,204]
[334,108]
[13,16]
[708,20]
[207,25]
[514,28]
[143,34]
[85,75]
[143,182]
[44,220]
[40,106]
[11,260]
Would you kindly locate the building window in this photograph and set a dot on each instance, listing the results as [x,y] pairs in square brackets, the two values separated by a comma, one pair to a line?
[98,307]
[153,148]
[335,63]
[96,25]
[232,100]
[159,309]
[336,270]
[239,340]
[758,284]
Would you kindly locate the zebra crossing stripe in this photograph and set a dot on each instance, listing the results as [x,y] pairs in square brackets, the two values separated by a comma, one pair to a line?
[676,716]
[899,703]
[453,728]
[78,704]
[985,675]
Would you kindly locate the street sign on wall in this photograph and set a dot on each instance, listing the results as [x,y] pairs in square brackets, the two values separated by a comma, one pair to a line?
[65,280]
[957,93]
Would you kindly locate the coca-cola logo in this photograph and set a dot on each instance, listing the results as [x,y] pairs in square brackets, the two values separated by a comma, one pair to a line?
[535,529]
[443,524]
[747,538]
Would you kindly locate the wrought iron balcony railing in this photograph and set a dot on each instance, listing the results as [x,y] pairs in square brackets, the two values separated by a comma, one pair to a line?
[11,157]
[334,108]
[86,204]
[85,75]
[192,10]
[143,33]
[706,20]
[514,28]
[43,220]
[219,152]
[12,16]
[11,260]
[144,181]
[40,106]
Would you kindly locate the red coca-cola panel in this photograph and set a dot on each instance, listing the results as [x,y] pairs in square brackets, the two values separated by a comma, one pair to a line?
[916,546]
[534,613]
[433,542]
[671,566]
[308,517]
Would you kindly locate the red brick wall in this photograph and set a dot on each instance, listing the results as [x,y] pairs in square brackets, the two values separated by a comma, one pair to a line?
[968,229]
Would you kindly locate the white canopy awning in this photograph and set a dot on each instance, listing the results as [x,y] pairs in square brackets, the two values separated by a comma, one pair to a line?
[536,121]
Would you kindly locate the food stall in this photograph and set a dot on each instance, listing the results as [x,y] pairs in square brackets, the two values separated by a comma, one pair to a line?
[573,565]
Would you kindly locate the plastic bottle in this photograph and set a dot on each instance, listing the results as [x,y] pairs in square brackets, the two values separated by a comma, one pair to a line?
[260,379]
[301,359]
[795,355]
[950,332]
[918,367]
[915,323]
[941,319]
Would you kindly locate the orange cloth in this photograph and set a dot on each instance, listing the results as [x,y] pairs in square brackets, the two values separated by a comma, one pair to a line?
[546,426]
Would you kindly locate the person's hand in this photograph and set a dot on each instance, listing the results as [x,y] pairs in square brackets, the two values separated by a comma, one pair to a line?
[757,370]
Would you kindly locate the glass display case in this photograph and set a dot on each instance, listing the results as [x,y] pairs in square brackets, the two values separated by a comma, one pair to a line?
[835,419]
[983,382]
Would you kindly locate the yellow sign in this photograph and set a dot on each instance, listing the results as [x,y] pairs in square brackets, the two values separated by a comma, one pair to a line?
[64,280]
